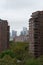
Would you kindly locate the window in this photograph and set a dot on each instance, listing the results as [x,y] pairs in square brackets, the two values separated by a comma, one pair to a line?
[35,28]
[36,34]
[36,37]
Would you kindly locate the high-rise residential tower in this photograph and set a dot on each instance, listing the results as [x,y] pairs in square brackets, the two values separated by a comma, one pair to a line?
[4,35]
[36,34]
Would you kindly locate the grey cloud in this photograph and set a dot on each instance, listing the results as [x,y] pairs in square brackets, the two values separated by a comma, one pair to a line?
[18,25]
[18,11]
[13,4]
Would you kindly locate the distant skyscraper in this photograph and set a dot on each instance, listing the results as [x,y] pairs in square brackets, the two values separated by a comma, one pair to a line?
[14,33]
[21,33]
[36,34]
[11,39]
[24,31]
[4,35]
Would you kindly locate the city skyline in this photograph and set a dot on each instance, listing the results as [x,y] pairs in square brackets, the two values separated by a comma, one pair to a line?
[18,12]
[23,31]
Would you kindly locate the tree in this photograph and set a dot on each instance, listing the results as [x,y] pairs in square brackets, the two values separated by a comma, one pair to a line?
[20,49]
[7,60]
[7,52]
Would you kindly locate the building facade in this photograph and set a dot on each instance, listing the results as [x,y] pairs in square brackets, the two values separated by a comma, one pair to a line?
[14,33]
[4,35]
[24,31]
[36,34]
[21,38]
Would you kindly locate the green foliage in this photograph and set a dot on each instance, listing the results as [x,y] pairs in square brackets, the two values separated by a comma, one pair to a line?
[20,49]
[7,52]
[40,60]
[31,61]
[7,60]
[34,61]
[19,52]
[11,42]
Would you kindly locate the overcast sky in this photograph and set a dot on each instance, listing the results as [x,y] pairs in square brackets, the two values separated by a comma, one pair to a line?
[18,12]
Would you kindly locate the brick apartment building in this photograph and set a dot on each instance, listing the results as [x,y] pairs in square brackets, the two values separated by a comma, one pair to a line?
[36,34]
[22,38]
[4,35]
